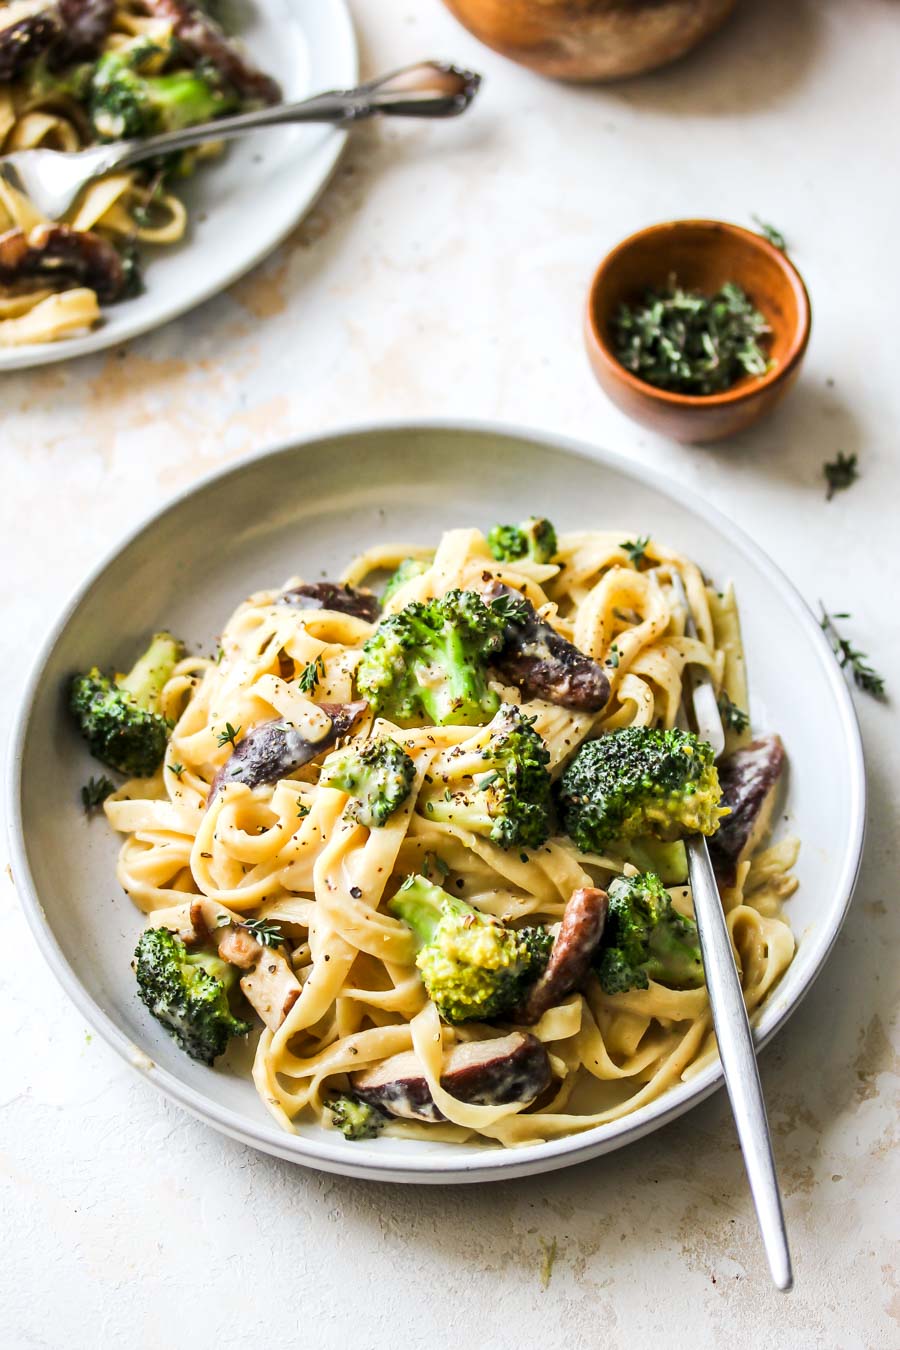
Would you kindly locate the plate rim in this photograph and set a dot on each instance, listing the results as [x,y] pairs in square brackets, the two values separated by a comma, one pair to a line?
[14,359]
[494,1165]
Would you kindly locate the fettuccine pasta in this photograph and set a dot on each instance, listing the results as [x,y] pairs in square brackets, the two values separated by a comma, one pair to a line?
[201,851]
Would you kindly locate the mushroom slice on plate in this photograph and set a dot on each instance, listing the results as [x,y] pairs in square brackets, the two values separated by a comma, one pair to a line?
[204,40]
[544,664]
[335,596]
[58,256]
[510,1069]
[270,986]
[579,935]
[749,779]
[274,750]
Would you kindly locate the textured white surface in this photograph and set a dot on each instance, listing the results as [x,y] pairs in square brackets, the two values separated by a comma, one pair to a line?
[444,273]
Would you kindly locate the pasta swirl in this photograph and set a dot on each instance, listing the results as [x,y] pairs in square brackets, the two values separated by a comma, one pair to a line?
[292,853]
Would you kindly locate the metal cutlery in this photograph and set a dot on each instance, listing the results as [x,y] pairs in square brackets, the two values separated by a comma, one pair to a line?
[726,1001]
[52,179]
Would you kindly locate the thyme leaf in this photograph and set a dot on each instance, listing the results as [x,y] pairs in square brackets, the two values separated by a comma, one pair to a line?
[849,657]
[511,608]
[95,792]
[269,934]
[840,473]
[228,736]
[310,675]
[772,233]
[636,548]
[732,716]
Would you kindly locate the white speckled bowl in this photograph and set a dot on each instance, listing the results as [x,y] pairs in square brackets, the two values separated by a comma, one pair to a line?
[302,508]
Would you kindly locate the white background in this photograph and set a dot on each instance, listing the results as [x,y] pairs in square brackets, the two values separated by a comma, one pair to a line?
[444,273]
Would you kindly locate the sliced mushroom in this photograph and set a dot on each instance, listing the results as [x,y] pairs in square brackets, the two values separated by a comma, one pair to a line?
[749,779]
[22,39]
[70,30]
[270,986]
[85,25]
[332,595]
[275,749]
[59,256]
[543,664]
[513,1068]
[579,935]
[204,40]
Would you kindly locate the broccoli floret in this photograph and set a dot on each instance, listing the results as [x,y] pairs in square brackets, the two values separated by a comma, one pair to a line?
[472,966]
[187,993]
[535,538]
[429,662]
[409,568]
[647,939]
[378,778]
[125,101]
[640,781]
[496,785]
[42,82]
[355,1119]
[119,718]
[666,857]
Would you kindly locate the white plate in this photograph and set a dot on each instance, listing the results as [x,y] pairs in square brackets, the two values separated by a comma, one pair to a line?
[308,507]
[242,206]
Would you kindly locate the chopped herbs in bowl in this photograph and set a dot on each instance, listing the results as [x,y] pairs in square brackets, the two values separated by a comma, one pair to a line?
[696,328]
[689,342]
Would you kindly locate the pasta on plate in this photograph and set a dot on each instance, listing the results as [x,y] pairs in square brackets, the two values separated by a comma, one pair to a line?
[75,72]
[503,994]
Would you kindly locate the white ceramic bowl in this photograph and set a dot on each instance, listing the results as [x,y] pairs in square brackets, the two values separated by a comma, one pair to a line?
[307,507]
[241,206]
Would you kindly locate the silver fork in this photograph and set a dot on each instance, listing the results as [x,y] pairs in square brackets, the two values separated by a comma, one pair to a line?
[52,180]
[726,1000]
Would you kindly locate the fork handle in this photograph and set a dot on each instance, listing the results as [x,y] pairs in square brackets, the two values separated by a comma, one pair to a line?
[428,89]
[738,1056]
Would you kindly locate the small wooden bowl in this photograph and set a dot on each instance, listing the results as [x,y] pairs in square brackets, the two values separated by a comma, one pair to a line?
[703,255]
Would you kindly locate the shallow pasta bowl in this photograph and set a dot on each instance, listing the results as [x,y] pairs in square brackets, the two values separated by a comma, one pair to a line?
[310,506]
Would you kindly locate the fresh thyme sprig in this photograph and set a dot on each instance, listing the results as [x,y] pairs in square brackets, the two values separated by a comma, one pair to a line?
[510,607]
[269,934]
[840,473]
[95,792]
[636,548]
[864,676]
[732,716]
[689,342]
[772,233]
[228,736]
[433,862]
[310,675]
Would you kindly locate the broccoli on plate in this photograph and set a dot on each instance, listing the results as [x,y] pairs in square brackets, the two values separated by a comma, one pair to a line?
[356,1120]
[535,539]
[496,784]
[377,776]
[639,781]
[408,568]
[473,967]
[647,939]
[119,717]
[428,663]
[126,101]
[187,993]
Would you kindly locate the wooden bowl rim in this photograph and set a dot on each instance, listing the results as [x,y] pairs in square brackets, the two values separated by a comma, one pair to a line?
[738,393]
